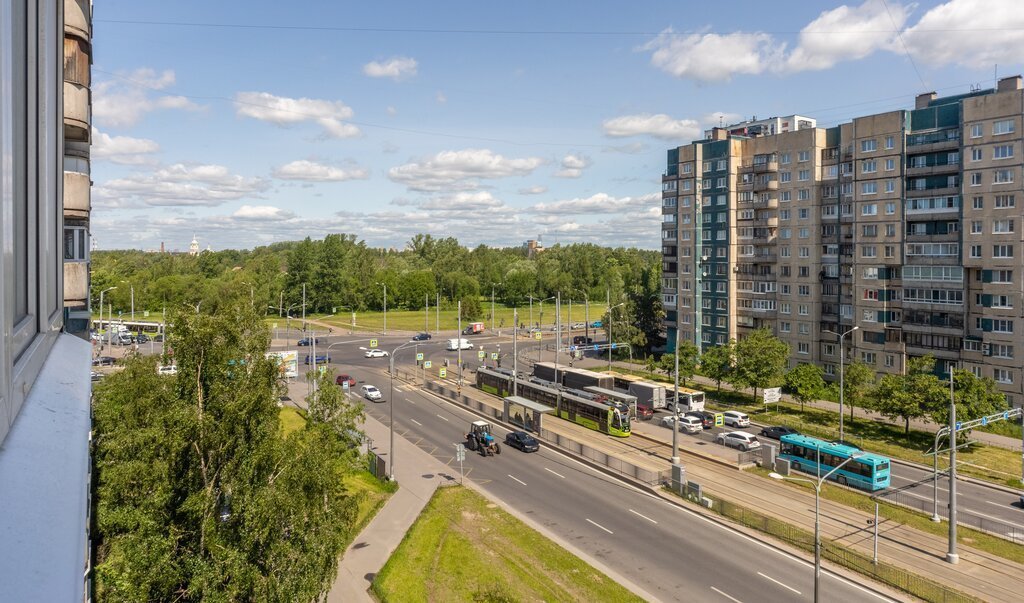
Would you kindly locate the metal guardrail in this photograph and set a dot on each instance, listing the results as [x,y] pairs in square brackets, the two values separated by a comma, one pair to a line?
[994,527]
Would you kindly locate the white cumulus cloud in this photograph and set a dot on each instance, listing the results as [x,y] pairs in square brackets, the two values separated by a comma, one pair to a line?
[179,185]
[533,190]
[601,203]
[284,111]
[847,34]
[125,99]
[973,33]
[712,57]
[396,68]
[460,170]
[312,171]
[262,212]
[123,149]
[573,166]
[659,126]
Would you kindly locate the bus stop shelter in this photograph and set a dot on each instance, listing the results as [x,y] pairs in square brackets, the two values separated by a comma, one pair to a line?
[525,413]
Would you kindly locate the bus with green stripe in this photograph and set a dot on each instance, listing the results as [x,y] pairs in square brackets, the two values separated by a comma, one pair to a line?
[868,471]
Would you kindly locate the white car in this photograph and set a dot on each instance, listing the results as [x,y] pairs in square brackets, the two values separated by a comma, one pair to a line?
[738,439]
[376,353]
[735,418]
[578,325]
[372,393]
[683,423]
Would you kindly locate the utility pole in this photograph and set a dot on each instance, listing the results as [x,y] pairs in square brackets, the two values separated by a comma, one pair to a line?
[515,352]
[437,311]
[426,312]
[675,406]
[492,306]
[609,302]
[951,555]
[558,329]
[280,305]
[303,309]
[459,341]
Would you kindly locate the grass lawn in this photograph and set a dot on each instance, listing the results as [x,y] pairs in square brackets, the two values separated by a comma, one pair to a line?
[416,320]
[464,548]
[292,419]
[372,494]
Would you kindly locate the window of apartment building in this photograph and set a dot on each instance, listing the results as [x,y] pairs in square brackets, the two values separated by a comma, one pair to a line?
[976,130]
[976,226]
[1001,375]
[785,327]
[705,201]
[785,232]
[687,185]
[803,194]
[687,201]
[707,166]
[803,309]
[804,328]
[805,252]
[889,251]
[975,251]
[1004,302]
[687,168]
[1003,126]
[1002,226]
[76,244]
[1002,151]
[686,235]
[803,213]
[1001,350]
[867,146]
[869,230]
[1002,251]
[804,271]
[869,209]
[720,235]
[785,196]
[976,154]
[720,322]
[868,188]
[784,252]
[784,271]
[868,358]
[830,369]
[719,182]
[1002,176]
[976,179]
[802,156]
[978,203]
[720,287]
[707,217]
[933,296]
[706,235]
[1005,202]
[720,199]
[720,252]
[829,211]
[890,165]
[1002,325]
[890,142]
[890,186]
[868,316]
[721,304]
[933,249]
[785,176]
[721,217]
[890,230]
[722,164]
[783,214]
[706,303]
[868,166]
[804,233]
[784,289]
[890,208]
[784,308]
[803,290]
[831,172]
[803,347]
[868,251]
[803,175]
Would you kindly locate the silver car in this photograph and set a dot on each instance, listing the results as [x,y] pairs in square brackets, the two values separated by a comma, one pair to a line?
[738,439]
[372,394]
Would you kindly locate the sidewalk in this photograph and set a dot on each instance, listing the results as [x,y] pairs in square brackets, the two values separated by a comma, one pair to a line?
[418,475]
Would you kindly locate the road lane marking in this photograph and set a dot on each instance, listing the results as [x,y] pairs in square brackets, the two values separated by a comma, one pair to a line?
[442,418]
[642,515]
[558,474]
[970,511]
[731,598]
[601,526]
[779,583]
[516,478]
[416,422]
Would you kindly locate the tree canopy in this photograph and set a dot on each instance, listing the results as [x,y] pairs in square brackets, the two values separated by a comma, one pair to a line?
[760,361]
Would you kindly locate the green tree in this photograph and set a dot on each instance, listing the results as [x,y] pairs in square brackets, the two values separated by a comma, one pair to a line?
[329,405]
[199,495]
[858,378]
[689,356]
[911,396]
[805,383]
[718,362]
[975,398]
[760,361]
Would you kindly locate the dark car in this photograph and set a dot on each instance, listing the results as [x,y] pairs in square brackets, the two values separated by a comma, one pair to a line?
[775,432]
[320,359]
[308,341]
[342,379]
[142,338]
[582,340]
[103,361]
[707,419]
[522,441]
[644,413]
[421,337]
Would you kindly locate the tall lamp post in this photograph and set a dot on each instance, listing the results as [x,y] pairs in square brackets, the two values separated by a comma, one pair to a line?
[610,344]
[133,298]
[391,405]
[102,346]
[385,330]
[817,513]
[842,361]
[493,285]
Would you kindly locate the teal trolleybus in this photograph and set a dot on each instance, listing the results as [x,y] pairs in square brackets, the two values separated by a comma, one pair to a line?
[817,457]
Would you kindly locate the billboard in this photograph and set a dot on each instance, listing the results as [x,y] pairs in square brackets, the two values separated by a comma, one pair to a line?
[288,362]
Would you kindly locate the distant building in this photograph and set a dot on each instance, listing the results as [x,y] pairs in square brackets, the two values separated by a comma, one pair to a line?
[193,248]
[533,247]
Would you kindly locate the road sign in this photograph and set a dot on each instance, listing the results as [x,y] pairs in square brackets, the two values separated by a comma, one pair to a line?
[494,355]
[480,354]
[613,346]
[596,347]
[719,419]
[958,424]
[419,355]
[145,313]
[460,452]
[772,395]
[1006,415]
[537,335]
[984,420]
[426,364]
[373,343]
[275,326]
[442,372]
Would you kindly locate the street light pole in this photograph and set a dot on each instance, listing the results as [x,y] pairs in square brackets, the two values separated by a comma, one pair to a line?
[842,361]
[675,408]
[951,555]
[391,409]
[102,345]
[515,351]
[608,304]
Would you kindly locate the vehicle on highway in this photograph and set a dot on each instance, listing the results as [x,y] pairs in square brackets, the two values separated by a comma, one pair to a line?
[775,432]
[735,418]
[320,359]
[308,341]
[123,338]
[343,379]
[738,439]
[170,369]
[372,394]
[104,361]
[522,441]
[683,423]
[480,438]
[578,325]
[474,329]
[868,471]
[644,413]
[421,337]
[690,400]
[142,338]
[707,419]
[455,344]
[582,340]
[376,353]
[597,324]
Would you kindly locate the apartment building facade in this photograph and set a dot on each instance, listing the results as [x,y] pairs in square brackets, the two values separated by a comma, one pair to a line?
[904,224]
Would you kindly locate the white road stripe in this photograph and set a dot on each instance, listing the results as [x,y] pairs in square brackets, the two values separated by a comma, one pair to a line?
[731,598]
[558,474]
[642,515]
[516,478]
[416,422]
[442,418]
[601,526]
[779,583]
[1000,504]
[969,511]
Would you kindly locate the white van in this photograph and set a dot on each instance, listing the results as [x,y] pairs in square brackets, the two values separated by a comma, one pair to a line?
[455,344]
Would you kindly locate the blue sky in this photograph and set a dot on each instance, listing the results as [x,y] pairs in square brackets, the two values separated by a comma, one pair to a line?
[253,122]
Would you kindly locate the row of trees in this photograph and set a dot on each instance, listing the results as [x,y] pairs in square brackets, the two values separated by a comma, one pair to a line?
[200,495]
[760,360]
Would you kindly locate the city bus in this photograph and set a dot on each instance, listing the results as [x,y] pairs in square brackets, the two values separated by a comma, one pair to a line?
[690,400]
[818,457]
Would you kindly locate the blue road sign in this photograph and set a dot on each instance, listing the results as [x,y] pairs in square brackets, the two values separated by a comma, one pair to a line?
[1006,415]
[958,424]
[984,420]
[595,346]
[613,346]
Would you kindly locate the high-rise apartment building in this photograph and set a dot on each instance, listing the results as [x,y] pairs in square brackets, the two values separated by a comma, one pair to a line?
[904,224]
[44,372]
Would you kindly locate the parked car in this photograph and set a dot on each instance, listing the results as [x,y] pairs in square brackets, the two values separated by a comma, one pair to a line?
[644,413]
[597,324]
[683,423]
[775,432]
[320,359]
[522,441]
[582,340]
[578,325]
[421,337]
[308,341]
[171,369]
[104,361]
[735,418]
[142,338]
[372,394]
[124,338]
[707,419]
[738,439]
[342,379]
[376,353]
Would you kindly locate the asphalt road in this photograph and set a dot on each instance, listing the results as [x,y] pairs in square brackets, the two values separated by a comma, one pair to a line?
[695,559]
